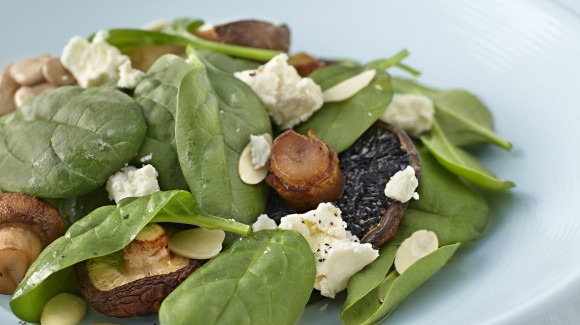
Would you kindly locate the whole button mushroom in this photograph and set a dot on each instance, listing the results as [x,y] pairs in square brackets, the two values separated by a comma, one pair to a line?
[27,225]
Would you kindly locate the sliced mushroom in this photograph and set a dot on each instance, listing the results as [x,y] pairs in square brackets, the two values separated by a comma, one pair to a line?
[56,74]
[367,166]
[28,71]
[134,281]
[143,57]
[306,64]
[27,225]
[26,92]
[304,171]
[252,33]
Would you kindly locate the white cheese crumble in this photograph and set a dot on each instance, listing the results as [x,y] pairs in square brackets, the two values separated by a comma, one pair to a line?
[95,63]
[412,113]
[339,255]
[402,185]
[289,98]
[260,150]
[264,223]
[129,77]
[132,182]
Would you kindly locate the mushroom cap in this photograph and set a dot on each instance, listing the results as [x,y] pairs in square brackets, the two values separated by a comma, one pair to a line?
[20,209]
[138,298]
[254,33]
[367,166]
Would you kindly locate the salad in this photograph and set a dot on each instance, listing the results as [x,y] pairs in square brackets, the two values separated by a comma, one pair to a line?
[244,176]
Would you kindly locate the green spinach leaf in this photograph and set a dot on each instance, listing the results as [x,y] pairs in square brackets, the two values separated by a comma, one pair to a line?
[68,142]
[216,115]
[463,117]
[340,124]
[265,278]
[102,232]
[446,206]
[382,300]
[157,94]
[227,63]
[460,162]
[127,40]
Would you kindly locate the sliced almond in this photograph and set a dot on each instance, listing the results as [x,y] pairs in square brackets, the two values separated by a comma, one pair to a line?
[64,309]
[28,71]
[349,87]
[248,173]
[26,92]
[8,87]
[197,243]
[418,245]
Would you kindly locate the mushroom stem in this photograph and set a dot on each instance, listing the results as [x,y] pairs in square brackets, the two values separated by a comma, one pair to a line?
[19,247]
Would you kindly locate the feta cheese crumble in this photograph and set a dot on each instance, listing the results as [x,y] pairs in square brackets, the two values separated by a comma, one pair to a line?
[339,255]
[402,185]
[128,76]
[260,150]
[412,113]
[289,98]
[97,62]
[132,182]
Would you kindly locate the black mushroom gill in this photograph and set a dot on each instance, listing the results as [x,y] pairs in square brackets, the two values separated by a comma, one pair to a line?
[367,166]
[136,280]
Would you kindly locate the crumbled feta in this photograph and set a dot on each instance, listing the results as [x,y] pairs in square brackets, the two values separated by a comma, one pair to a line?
[95,63]
[264,223]
[412,113]
[128,76]
[289,98]
[260,150]
[338,253]
[402,185]
[132,182]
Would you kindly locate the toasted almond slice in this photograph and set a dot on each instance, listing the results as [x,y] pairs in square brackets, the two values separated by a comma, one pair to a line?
[248,173]
[348,87]
[64,309]
[197,243]
[418,245]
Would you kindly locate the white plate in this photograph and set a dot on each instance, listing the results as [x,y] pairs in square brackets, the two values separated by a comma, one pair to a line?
[521,57]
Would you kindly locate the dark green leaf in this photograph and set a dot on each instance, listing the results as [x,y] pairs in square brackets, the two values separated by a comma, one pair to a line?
[463,117]
[227,63]
[381,301]
[102,232]
[460,162]
[446,206]
[340,124]
[68,142]
[216,115]
[157,94]
[265,278]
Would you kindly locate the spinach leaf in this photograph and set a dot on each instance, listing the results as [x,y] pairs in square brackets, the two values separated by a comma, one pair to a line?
[265,278]
[227,63]
[104,231]
[216,114]
[157,94]
[340,124]
[446,206]
[382,300]
[68,142]
[127,40]
[463,117]
[74,208]
[460,162]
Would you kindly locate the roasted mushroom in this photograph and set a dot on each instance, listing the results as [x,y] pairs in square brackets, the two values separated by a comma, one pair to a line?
[252,33]
[304,171]
[134,281]
[27,225]
[367,166]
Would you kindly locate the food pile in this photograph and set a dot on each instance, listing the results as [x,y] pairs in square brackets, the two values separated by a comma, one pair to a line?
[148,170]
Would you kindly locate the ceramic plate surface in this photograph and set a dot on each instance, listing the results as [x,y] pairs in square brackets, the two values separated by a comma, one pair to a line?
[521,57]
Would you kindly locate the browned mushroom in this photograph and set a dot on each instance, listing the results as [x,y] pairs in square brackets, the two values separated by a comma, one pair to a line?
[252,33]
[305,64]
[8,86]
[304,171]
[134,281]
[27,225]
